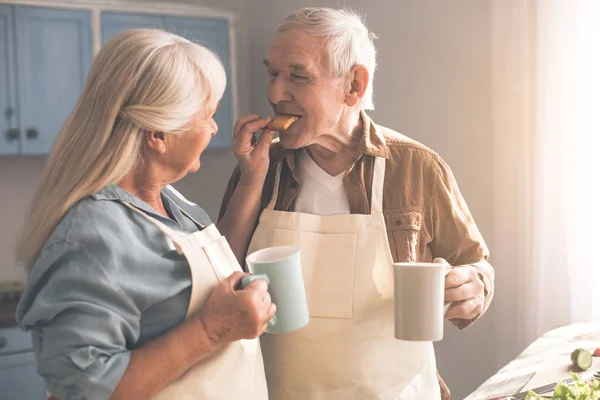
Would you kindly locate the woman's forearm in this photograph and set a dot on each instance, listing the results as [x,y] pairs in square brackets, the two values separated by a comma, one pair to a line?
[161,361]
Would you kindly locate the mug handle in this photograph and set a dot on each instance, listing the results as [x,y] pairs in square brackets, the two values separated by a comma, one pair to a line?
[246,280]
[447,304]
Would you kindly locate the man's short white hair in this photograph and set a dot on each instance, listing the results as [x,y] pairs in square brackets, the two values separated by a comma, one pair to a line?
[347,40]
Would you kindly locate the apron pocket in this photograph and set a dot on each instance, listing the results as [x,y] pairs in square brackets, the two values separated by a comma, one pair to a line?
[327,269]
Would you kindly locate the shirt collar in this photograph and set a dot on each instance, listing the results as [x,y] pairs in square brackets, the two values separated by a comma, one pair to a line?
[117,193]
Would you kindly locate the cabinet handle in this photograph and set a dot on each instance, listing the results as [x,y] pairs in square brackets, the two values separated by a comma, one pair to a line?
[3,342]
[13,134]
[32,133]
[9,112]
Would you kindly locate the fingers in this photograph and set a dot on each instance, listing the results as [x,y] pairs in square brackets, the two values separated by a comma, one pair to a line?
[440,260]
[460,275]
[272,311]
[233,281]
[247,130]
[467,291]
[463,292]
[241,121]
[266,297]
[472,288]
[467,309]
[258,286]
[264,143]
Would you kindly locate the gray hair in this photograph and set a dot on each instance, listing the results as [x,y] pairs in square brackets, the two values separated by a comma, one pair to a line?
[347,40]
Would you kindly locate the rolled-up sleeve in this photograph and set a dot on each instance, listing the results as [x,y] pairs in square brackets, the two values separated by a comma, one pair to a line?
[456,237]
[82,323]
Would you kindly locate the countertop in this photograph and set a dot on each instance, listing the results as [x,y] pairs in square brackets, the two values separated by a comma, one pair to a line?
[546,360]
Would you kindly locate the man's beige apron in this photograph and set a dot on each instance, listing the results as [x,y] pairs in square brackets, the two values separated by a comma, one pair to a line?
[234,371]
[348,350]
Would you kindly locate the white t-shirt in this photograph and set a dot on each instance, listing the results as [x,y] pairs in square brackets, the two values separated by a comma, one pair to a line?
[320,193]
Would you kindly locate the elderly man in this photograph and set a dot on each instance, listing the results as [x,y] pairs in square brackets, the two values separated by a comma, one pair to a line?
[354,195]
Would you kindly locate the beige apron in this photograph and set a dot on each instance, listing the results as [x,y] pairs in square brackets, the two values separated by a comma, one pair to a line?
[348,350]
[234,371]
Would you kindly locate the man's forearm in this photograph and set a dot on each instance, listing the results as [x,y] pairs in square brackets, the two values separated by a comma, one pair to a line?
[239,219]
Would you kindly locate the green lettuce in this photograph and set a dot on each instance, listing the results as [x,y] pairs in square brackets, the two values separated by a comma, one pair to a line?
[578,390]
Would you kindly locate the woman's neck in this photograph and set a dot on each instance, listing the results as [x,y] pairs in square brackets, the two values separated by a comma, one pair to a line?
[145,187]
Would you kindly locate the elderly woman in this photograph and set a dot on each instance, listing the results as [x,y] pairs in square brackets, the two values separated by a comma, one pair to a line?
[132,292]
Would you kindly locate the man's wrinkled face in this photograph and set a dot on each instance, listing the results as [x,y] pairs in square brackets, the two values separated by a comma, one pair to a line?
[302,83]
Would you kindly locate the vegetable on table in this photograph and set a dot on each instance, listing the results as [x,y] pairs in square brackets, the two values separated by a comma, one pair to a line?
[581,358]
[578,390]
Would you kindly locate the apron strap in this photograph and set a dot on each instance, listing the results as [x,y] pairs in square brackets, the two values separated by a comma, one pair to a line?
[170,233]
[183,204]
[377,186]
[271,205]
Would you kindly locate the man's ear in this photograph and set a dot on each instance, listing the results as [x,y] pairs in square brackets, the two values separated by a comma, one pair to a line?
[359,80]
[155,141]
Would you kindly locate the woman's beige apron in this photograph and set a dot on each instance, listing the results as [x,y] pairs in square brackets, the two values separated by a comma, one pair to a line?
[234,371]
[348,350]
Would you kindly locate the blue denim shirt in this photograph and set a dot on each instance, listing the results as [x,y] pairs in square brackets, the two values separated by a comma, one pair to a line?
[105,282]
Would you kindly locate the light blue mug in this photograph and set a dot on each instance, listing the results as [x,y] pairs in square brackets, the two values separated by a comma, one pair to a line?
[280,266]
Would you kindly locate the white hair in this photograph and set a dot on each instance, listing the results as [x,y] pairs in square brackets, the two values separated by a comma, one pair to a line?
[347,40]
[141,80]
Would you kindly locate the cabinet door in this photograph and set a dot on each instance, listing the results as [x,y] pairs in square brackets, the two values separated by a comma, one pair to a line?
[53,59]
[113,23]
[9,133]
[19,379]
[213,34]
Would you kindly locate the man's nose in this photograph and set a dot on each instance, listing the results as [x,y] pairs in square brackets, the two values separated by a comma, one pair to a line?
[279,91]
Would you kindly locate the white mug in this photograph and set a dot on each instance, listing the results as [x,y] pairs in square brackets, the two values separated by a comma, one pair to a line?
[419,306]
[282,268]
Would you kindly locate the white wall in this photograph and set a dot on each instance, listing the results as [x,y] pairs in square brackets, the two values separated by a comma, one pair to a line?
[433,84]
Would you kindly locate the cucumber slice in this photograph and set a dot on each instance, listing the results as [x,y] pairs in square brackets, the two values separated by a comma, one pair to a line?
[581,358]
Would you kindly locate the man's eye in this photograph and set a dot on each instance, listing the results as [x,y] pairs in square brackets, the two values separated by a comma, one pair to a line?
[299,77]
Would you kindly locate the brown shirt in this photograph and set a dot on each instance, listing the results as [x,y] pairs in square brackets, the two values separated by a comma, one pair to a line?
[425,213]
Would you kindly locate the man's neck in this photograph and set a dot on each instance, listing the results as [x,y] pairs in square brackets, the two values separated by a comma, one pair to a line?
[336,153]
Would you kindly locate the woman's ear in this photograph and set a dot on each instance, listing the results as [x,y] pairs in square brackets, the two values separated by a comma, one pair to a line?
[155,141]
[359,80]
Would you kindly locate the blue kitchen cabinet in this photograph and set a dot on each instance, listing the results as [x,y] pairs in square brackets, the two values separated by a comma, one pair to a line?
[9,131]
[113,23]
[45,54]
[213,34]
[18,376]
[53,58]
[210,32]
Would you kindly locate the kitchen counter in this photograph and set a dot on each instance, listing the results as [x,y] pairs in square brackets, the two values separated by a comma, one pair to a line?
[544,361]
[7,313]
